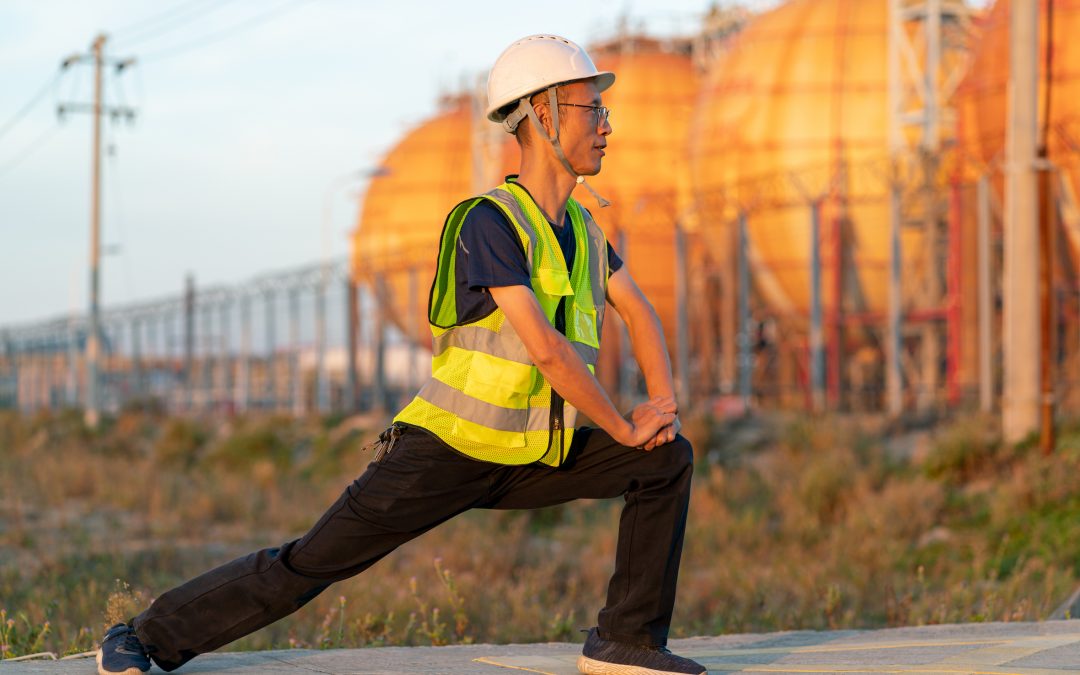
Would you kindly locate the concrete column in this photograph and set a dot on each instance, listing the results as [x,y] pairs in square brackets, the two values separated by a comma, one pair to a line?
[208,394]
[894,371]
[245,354]
[225,360]
[1020,400]
[379,393]
[154,351]
[682,319]
[271,349]
[414,328]
[986,299]
[746,355]
[322,382]
[352,340]
[72,384]
[729,282]
[296,379]
[817,337]
[137,358]
[189,340]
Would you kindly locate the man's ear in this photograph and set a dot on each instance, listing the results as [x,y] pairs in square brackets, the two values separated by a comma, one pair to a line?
[543,113]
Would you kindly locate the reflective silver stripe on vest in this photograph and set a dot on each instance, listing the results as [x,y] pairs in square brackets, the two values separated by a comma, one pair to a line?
[442,395]
[506,345]
[598,268]
[588,354]
[507,200]
[569,415]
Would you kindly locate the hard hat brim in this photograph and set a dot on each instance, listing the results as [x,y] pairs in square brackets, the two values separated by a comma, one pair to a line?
[603,79]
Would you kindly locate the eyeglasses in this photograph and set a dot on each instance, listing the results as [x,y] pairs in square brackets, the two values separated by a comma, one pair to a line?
[603,113]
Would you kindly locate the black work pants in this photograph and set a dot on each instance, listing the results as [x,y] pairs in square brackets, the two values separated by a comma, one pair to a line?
[419,484]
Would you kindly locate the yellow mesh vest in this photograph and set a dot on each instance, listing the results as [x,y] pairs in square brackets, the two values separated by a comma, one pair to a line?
[485,398]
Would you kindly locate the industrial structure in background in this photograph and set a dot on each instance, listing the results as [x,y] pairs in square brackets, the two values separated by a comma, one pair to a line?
[832,205]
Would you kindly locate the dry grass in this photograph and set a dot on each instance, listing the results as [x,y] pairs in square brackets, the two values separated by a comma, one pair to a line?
[815,524]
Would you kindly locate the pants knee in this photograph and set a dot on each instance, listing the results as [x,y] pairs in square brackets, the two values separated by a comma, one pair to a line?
[682,453]
[674,459]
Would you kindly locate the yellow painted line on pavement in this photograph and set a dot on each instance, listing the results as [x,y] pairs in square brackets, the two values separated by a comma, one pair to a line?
[966,662]
[826,649]
[869,646]
[881,669]
[489,662]
[1006,653]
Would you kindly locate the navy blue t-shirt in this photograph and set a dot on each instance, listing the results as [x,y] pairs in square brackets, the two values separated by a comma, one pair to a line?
[490,254]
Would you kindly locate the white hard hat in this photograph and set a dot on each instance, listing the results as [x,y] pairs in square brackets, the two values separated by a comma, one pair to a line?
[533,64]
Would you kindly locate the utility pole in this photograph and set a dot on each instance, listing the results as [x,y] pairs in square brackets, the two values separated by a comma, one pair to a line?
[98,108]
[1020,405]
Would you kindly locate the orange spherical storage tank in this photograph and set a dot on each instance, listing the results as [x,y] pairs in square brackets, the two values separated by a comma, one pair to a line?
[984,103]
[796,110]
[397,237]
[651,102]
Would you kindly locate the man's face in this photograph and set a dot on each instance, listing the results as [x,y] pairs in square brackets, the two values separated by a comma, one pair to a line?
[583,130]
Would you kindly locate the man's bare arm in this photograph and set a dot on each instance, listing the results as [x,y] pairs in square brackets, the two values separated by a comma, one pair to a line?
[557,361]
[647,338]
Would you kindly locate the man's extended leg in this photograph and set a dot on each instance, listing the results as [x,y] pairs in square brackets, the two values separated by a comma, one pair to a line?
[656,486]
[416,486]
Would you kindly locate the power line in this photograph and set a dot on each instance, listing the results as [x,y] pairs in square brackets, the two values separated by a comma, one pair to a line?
[143,36]
[10,124]
[148,22]
[217,36]
[30,149]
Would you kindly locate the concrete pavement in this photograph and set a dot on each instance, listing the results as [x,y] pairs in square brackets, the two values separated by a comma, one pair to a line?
[1045,648]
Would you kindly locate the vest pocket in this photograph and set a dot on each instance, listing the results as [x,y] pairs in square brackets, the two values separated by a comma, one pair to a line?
[554,282]
[498,381]
[585,328]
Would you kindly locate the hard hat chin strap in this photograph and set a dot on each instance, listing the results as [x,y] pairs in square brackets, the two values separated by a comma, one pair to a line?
[554,139]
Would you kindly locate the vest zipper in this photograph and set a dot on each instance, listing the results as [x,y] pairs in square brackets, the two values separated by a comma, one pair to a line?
[556,424]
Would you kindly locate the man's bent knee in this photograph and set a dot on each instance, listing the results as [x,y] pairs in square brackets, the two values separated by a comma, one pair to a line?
[682,452]
[674,458]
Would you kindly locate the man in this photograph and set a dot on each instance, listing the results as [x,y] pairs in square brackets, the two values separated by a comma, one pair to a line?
[516,309]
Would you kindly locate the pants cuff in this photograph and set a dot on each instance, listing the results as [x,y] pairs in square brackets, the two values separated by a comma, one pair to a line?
[627,638]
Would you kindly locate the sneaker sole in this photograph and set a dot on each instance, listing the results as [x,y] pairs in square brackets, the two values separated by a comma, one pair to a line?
[101,669]
[588,666]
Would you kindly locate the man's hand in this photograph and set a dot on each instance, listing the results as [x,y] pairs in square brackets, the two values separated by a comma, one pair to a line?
[647,421]
[665,435]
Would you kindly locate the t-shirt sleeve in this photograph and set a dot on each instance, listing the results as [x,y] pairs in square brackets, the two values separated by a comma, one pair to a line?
[493,250]
[614,262]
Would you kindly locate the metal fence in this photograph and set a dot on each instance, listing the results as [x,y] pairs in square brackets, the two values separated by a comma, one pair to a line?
[278,342]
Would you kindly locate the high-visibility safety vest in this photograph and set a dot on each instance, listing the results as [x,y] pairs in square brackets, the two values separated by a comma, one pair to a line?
[485,397]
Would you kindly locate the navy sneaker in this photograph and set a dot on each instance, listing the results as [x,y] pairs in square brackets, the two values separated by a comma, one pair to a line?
[604,657]
[121,653]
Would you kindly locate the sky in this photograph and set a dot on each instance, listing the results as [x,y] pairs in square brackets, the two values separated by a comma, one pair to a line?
[254,118]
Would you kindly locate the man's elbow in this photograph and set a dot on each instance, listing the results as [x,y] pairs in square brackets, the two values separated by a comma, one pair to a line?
[547,351]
